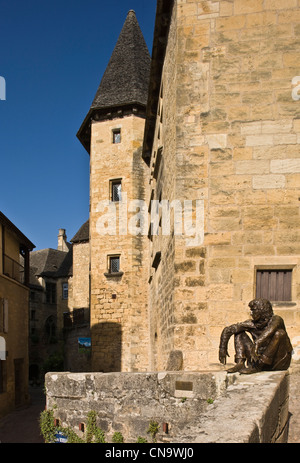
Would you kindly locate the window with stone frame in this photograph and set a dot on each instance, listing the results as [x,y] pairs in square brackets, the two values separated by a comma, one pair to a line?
[116,136]
[114,264]
[274,284]
[115,190]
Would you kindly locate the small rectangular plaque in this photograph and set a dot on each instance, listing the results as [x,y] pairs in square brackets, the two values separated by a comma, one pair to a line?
[183,385]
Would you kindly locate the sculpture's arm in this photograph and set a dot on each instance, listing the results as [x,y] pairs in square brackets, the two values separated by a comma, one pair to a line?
[226,335]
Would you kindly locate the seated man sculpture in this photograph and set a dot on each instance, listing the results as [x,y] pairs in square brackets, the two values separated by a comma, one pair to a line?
[270,347]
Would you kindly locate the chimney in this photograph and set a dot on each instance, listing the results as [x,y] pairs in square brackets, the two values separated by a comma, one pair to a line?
[62,240]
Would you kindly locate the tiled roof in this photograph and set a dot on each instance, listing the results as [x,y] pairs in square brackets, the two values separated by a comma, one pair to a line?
[83,233]
[50,263]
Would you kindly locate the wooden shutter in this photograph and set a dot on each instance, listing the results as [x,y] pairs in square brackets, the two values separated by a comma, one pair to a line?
[275,285]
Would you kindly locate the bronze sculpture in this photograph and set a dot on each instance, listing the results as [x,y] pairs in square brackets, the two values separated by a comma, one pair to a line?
[270,349]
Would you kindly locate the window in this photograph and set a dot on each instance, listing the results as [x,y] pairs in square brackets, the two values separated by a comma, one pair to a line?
[51,293]
[115,190]
[116,135]
[114,264]
[65,290]
[274,285]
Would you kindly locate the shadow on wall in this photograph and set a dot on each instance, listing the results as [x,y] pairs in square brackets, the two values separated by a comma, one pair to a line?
[106,347]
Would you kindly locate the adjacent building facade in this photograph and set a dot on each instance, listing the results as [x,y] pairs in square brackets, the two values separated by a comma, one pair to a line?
[50,275]
[14,309]
[210,131]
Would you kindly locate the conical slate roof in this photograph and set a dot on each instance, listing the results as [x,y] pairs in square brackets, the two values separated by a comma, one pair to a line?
[126,77]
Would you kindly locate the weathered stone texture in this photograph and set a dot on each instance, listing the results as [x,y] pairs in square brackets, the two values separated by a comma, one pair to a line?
[197,407]
[127,402]
[118,302]
[79,297]
[227,101]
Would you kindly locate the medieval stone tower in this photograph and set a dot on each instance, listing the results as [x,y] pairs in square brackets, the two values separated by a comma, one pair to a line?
[112,133]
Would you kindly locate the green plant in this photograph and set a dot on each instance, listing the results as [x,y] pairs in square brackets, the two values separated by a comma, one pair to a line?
[71,435]
[49,430]
[141,440]
[210,401]
[93,433]
[118,438]
[183,400]
[153,429]
[47,427]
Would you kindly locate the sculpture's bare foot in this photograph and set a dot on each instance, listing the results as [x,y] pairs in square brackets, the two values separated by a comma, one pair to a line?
[236,367]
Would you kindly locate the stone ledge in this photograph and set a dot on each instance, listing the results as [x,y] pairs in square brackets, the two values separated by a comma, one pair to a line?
[253,410]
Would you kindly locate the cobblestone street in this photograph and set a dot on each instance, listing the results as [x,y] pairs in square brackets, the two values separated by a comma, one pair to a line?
[22,426]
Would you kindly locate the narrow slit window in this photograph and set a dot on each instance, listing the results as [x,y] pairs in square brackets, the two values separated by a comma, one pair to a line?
[116,188]
[65,291]
[116,136]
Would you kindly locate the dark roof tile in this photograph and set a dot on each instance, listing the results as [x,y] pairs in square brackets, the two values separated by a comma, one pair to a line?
[83,233]
[50,263]
[126,78]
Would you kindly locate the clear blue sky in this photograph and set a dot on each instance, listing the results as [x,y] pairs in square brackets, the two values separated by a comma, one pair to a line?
[52,56]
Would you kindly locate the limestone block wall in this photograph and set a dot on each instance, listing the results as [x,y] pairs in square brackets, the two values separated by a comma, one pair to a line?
[127,402]
[163,187]
[119,314]
[188,407]
[79,286]
[236,148]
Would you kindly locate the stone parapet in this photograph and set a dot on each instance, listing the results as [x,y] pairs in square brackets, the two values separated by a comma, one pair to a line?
[188,407]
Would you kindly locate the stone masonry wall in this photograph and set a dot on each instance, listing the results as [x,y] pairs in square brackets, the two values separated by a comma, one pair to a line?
[188,407]
[163,187]
[80,286]
[237,148]
[118,303]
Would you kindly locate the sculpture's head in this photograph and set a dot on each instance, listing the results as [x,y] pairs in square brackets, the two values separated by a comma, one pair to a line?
[261,309]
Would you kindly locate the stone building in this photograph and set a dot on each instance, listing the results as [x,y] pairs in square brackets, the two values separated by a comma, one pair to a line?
[77,320]
[212,145]
[14,305]
[223,128]
[50,274]
[79,298]
[112,133]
